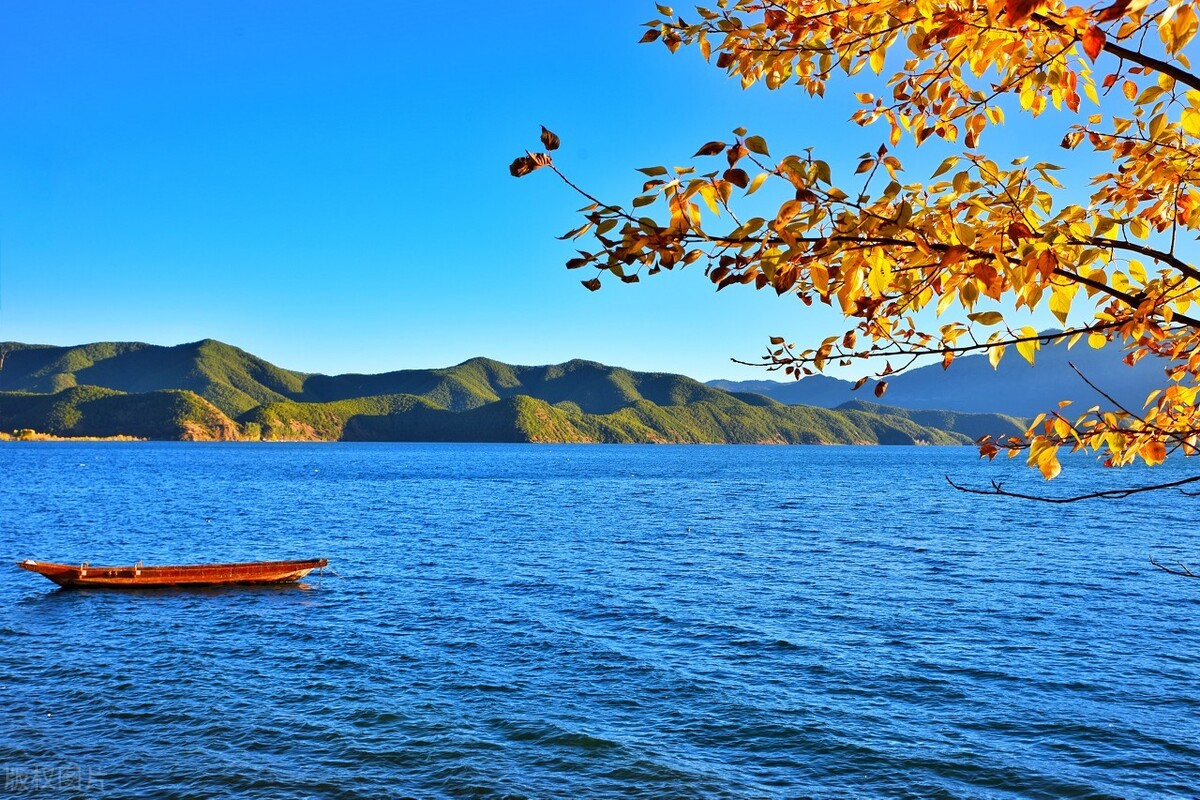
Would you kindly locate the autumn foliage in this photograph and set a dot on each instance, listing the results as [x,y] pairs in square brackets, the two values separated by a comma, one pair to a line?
[930,267]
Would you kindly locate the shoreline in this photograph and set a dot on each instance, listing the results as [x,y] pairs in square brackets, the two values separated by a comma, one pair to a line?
[46,437]
[10,439]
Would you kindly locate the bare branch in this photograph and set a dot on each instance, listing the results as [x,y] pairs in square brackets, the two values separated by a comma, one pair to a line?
[997,489]
[1183,571]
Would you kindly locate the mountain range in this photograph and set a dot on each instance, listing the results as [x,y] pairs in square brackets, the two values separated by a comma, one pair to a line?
[211,390]
[971,384]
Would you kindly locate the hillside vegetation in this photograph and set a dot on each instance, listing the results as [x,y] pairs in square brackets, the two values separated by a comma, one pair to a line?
[210,390]
[92,411]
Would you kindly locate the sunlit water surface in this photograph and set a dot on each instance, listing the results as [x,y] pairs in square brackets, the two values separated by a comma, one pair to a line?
[594,621]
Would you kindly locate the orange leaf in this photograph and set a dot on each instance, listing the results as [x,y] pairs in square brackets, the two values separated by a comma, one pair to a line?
[1017,11]
[986,273]
[954,254]
[1153,452]
[1115,11]
[1019,230]
[1046,263]
[1093,42]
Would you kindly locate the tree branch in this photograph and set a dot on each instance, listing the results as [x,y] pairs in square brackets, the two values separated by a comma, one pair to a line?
[1183,571]
[997,489]
[1105,394]
[1171,259]
[1137,57]
[883,352]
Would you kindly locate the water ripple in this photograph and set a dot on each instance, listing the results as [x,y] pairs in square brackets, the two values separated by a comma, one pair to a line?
[646,622]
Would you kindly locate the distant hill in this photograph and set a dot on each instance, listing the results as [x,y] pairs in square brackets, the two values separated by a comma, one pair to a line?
[236,381]
[522,418]
[95,411]
[971,385]
[209,389]
[229,378]
[972,425]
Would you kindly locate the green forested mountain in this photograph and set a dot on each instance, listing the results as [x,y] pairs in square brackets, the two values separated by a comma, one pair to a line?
[236,381]
[210,390]
[95,411]
[231,379]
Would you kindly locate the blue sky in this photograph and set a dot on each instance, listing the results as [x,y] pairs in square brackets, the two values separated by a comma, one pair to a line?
[325,184]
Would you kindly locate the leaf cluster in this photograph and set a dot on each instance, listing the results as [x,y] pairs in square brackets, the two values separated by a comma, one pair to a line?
[935,266]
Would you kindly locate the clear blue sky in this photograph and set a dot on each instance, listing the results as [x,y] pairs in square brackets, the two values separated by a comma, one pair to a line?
[325,184]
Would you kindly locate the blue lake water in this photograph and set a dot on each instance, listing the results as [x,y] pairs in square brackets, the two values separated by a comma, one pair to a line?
[597,621]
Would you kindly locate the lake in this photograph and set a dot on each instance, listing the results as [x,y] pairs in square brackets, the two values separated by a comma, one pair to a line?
[597,621]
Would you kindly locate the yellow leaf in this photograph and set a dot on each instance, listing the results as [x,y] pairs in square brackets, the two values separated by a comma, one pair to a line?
[965,233]
[1191,122]
[880,276]
[995,354]
[1049,466]
[945,166]
[987,317]
[1097,340]
[1030,346]
[820,278]
[877,55]
[1060,302]
[756,144]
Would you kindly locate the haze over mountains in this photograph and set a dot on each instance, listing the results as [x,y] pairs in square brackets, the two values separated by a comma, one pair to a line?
[211,390]
[971,385]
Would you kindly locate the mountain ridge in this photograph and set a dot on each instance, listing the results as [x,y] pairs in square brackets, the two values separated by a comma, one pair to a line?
[971,385]
[212,390]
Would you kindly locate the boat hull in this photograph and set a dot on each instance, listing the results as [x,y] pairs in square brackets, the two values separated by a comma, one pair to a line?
[138,576]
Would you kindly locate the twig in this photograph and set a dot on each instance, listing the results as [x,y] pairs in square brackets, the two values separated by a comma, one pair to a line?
[1103,393]
[997,489]
[1183,571]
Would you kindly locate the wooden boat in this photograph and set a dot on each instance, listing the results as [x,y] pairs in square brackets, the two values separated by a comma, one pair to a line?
[138,576]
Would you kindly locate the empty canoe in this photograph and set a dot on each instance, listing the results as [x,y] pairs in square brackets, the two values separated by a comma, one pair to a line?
[137,576]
